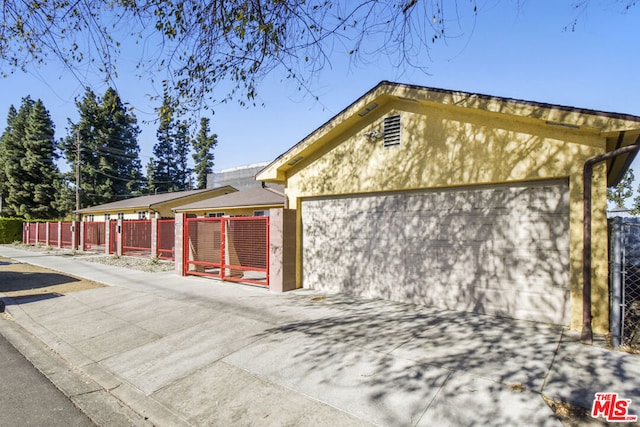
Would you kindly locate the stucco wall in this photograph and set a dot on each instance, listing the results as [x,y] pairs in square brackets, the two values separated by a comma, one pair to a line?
[128,215]
[234,211]
[445,146]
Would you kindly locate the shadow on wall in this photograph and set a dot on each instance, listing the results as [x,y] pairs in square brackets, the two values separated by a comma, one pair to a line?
[461,249]
[437,151]
[499,250]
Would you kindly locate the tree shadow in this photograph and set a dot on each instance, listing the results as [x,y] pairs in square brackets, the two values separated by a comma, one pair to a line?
[12,281]
[390,362]
[25,299]
[461,162]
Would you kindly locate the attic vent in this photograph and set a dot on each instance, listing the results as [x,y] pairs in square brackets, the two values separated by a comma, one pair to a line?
[391,131]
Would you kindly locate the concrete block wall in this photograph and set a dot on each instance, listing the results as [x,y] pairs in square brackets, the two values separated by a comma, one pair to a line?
[179,244]
[282,250]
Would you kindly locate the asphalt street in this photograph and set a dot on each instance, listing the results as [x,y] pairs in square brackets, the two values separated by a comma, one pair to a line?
[28,398]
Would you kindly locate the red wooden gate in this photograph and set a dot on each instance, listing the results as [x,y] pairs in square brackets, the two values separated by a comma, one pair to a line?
[136,237]
[166,238]
[233,249]
[94,237]
[30,231]
[42,232]
[66,235]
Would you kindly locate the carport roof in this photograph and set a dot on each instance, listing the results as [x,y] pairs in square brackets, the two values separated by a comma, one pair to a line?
[148,202]
[273,195]
[619,129]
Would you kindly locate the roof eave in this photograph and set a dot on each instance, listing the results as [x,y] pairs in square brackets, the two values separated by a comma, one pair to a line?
[556,115]
[219,208]
[211,190]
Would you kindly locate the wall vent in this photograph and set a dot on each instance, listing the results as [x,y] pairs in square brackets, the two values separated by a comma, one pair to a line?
[391,131]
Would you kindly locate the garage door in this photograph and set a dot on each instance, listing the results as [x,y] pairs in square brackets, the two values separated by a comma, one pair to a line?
[500,250]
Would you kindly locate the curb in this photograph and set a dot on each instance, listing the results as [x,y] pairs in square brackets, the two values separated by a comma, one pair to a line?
[105,399]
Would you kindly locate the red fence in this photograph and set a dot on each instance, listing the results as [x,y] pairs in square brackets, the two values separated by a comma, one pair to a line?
[234,249]
[94,238]
[166,238]
[56,234]
[42,232]
[66,235]
[136,238]
[53,233]
[30,233]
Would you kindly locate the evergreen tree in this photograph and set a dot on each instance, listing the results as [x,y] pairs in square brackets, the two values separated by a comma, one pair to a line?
[162,167]
[107,134]
[5,159]
[65,201]
[119,147]
[84,135]
[150,186]
[14,154]
[28,162]
[182,148]
[169,170]
[38,191]
[203,157]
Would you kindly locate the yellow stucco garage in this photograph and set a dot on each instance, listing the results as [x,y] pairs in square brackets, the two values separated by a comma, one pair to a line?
[455,200]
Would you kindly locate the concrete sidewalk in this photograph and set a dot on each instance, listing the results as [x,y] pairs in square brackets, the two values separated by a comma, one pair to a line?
[194,351]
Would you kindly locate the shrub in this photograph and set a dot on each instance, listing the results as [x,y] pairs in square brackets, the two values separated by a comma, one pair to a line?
[10,230]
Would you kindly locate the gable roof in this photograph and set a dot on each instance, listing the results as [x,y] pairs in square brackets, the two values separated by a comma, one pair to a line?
[247,198]
[618,129]
[151,201]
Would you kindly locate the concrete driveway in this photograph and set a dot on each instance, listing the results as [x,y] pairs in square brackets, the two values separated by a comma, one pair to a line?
[193,351]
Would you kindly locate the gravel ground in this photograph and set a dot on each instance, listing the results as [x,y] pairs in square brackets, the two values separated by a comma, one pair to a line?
[132,262]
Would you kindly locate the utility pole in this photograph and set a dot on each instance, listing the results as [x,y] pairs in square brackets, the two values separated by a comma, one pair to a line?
[77,175]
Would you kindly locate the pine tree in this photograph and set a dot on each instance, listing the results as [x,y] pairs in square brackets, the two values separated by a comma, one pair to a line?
[182,148]
[84,134]
[163,165]
[7,210]
[41,173]
[203,157]
[14,155]
[170,167]
[65,201]
[28,162]
[150,184]
[120,146]
[110,164]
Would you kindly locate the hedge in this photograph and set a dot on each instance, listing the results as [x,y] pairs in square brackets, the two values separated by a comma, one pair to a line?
[10,230]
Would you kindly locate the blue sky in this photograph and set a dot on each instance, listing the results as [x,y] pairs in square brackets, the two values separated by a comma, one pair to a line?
[517,51]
